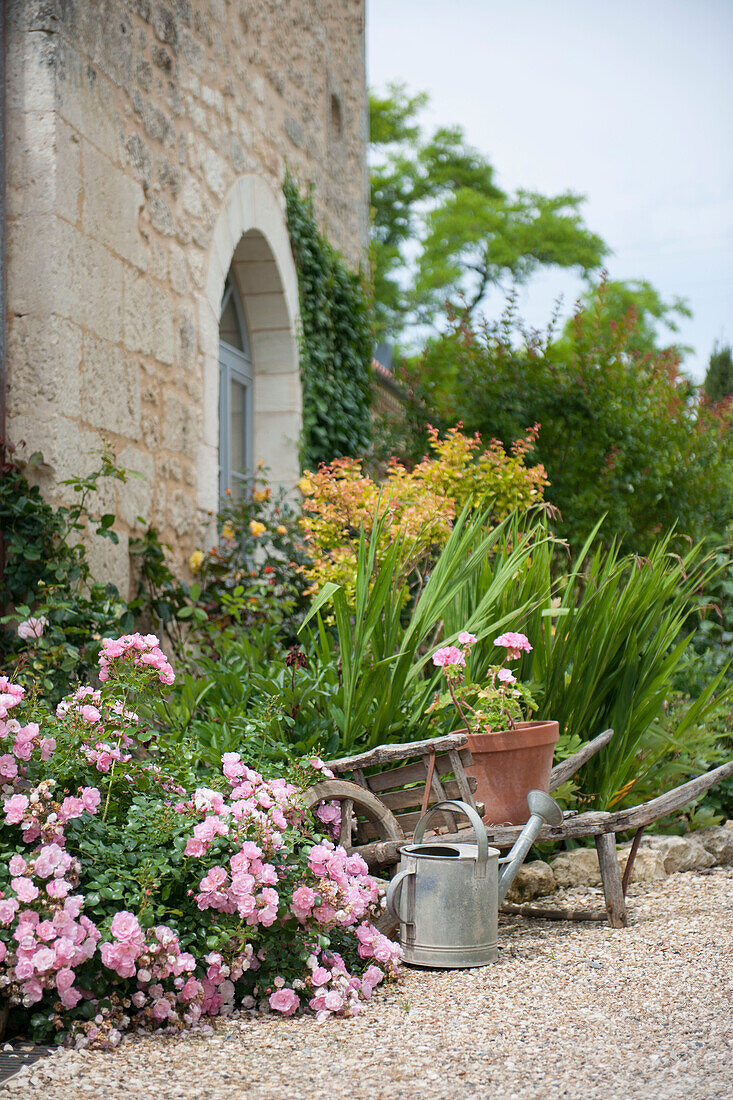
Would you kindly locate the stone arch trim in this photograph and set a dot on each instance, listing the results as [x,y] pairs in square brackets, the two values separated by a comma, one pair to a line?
[251,236]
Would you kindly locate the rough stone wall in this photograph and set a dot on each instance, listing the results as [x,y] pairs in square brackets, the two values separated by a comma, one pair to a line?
[128,123]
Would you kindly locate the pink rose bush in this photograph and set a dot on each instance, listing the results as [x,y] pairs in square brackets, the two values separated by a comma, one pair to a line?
[498,701]
[132,896]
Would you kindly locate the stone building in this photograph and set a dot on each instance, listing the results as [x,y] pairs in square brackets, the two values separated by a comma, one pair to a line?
[151,291]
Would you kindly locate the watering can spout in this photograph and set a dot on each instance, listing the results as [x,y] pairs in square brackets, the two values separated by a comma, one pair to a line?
[543,811]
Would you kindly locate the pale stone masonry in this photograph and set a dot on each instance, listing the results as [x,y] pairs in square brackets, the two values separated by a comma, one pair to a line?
[146,148]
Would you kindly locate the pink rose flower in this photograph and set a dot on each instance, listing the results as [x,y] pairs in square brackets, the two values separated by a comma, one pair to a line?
[8,766]
[91,799]
[15,808]
[17,865]
[32,628]
[125,927]
[25,890]
[286,1001]
[8,909]
[57,888]
[48,747]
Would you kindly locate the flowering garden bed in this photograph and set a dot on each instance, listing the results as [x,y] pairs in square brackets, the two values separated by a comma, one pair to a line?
[132,897]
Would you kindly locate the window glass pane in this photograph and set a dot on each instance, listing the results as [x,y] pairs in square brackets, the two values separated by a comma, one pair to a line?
[229,326]
[237,426]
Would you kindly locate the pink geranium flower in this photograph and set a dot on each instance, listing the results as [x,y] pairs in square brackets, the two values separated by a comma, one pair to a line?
[515,644]
[465,638]
[506,676]
[449,655]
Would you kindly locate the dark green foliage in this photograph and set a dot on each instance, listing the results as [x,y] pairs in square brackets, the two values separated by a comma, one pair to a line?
[336,341]
[46,573]
[719,376]
[621,431]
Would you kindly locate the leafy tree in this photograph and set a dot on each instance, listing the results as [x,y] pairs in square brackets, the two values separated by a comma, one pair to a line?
[639,298]
[621,431]
[719,376]
[443,231]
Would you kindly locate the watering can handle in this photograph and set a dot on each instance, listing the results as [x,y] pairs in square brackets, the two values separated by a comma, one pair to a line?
[394,892]
[461,807]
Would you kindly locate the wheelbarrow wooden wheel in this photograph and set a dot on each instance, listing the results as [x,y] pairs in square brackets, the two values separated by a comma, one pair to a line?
[355,800]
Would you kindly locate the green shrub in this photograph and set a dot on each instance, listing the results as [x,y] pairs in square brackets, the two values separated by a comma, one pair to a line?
[47,577]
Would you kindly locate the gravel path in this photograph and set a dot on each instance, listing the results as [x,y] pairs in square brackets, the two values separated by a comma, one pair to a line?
[570,1010]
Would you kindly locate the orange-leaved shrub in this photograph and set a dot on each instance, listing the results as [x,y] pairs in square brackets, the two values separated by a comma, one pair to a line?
[418,506]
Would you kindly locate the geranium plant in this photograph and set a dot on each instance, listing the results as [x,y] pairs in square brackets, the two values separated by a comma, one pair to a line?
[498,703]
[131,897]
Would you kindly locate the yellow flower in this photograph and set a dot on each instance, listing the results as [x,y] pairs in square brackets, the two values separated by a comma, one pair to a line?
[256,529]
[305,486]
[227,531]
[196,561]
[261,494]
[282,530]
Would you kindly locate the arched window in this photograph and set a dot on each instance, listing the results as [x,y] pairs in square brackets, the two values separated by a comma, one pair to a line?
[235,394]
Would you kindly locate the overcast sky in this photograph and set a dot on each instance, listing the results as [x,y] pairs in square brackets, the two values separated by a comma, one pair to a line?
[629,103]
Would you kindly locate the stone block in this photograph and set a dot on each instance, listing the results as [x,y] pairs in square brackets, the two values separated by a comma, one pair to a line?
[31,163]
[86,100]
[208,478]
[178,272]
[717,840]
[259,277]
[140,159]
[111,206]
[533,880]
[135,496]
[88,278]
[186,349]
[679,853]
[275,351]
[68,184]
[267,311]
[44,358]
[648,864]
[577,868]
[110,381]
[148,318]
[182,512]
[31,244]
[180,425]
[29,71]
[277,393]
[55,268]
[110,561]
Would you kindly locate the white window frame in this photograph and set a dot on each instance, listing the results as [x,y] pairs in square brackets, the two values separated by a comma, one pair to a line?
[234,366]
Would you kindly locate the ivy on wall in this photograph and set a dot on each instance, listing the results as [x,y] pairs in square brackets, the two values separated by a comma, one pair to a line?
[335,341]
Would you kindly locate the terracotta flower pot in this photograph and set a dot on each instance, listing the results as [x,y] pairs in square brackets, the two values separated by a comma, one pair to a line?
[510,763]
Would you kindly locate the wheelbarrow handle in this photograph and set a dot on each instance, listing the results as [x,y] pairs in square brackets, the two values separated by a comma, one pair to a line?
[394,893]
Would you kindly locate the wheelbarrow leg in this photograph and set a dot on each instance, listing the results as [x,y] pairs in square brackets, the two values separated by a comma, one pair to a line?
[611,879]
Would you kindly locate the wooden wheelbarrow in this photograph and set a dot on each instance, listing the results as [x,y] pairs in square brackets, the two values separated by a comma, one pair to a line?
[384,792]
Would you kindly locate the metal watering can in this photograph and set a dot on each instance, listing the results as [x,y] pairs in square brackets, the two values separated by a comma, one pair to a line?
[452,892]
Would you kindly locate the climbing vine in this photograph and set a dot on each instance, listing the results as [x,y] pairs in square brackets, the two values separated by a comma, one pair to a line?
[336,341]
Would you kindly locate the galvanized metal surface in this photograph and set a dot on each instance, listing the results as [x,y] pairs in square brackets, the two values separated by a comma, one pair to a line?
[446,895]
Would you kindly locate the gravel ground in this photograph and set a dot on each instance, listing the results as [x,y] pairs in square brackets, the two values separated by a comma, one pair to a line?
[570,1010]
